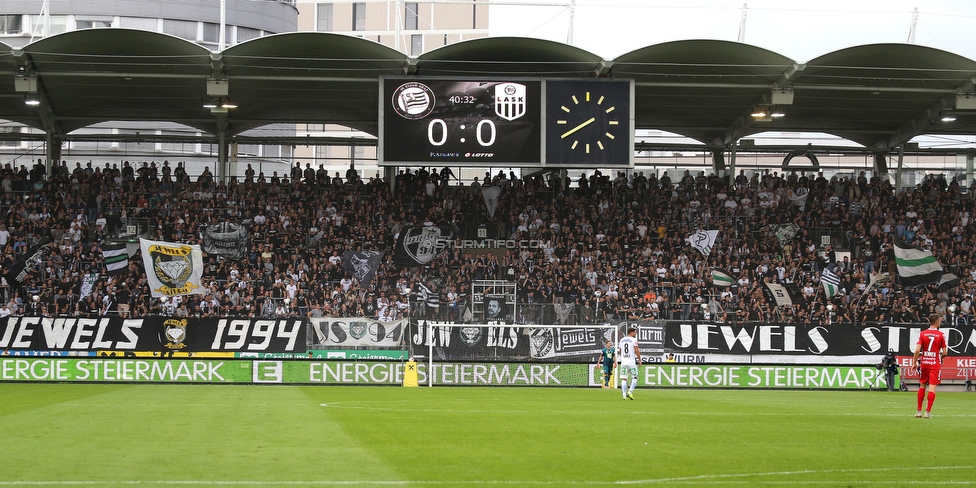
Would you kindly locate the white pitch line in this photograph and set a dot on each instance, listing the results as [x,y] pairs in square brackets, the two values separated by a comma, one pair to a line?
[719,477]
[709,479]
[907,414]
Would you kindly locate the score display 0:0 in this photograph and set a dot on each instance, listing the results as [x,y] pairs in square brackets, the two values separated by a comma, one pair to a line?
[440,127]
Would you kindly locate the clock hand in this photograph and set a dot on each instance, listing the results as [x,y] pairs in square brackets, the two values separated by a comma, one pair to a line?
[578,127]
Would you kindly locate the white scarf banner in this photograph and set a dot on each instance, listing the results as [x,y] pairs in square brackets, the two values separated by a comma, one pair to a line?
[358,332]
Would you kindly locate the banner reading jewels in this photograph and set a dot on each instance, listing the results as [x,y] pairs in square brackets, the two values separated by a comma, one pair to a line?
[460,374]
[797,343]
[550,344]
[151,334]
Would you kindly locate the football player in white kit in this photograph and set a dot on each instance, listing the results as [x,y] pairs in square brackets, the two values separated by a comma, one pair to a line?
[629,356]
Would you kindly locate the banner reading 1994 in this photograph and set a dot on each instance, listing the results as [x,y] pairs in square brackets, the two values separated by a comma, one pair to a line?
[128,370]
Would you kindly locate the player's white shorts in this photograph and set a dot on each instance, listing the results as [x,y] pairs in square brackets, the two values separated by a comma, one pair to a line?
[628,370]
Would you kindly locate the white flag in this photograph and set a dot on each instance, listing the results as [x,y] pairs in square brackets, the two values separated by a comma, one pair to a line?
[173,268]
[703,240]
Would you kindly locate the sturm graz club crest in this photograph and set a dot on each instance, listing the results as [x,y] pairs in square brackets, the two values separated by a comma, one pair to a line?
[510,100]
[173,267]
[174,333]
[413,100]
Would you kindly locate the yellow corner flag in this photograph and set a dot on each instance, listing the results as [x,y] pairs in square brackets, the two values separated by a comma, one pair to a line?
[410,373]
[613,378]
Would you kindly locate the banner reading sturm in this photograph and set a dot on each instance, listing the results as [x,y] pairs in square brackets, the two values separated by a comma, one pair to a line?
[173,268]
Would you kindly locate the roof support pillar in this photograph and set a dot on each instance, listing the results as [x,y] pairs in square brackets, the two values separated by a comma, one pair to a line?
[53,152]
[731,179]
[969,175]
[901,163]
[222,160]
[718,162]
[880,164]
[390,172]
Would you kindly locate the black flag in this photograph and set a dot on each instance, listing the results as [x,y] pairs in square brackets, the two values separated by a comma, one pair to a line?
[417,245]
[30,259]
[362,265]
[784,295]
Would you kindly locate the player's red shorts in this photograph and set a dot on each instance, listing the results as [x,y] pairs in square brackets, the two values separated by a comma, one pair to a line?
[930,374]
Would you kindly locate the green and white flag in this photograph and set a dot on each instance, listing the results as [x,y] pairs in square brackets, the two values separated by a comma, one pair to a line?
[721,278]
[116,256]
[830,282]
[916,266]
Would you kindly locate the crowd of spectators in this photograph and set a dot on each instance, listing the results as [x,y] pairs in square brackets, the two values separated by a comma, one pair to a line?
[603,247]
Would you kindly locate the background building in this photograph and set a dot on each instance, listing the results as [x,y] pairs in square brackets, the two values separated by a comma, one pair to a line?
[412,28]
[25,21]
[409,27]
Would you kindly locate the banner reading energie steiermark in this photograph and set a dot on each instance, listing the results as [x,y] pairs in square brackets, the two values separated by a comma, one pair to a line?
[447,374]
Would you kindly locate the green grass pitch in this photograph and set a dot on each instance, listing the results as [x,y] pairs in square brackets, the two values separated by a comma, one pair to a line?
[183,435]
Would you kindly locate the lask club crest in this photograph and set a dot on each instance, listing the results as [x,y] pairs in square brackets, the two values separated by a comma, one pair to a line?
[510,100]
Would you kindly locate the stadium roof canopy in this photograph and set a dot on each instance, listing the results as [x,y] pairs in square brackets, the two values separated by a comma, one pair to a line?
[879,96]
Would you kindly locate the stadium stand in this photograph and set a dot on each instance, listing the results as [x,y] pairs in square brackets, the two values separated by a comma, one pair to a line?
[611,246]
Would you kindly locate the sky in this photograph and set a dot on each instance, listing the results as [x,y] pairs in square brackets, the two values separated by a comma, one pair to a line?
[801,31]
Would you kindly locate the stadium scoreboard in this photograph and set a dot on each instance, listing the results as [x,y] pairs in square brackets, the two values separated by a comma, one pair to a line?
[523,122]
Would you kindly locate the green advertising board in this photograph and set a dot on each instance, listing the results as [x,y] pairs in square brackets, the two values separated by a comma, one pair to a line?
[265,371]
[761,376]
[351,354]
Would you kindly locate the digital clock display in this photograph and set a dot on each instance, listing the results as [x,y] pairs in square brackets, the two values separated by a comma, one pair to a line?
[462,99]
[437,121]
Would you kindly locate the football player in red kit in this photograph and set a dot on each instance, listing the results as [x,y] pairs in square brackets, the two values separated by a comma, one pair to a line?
[930,350]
